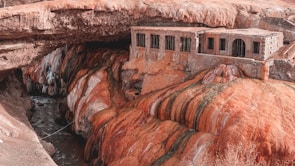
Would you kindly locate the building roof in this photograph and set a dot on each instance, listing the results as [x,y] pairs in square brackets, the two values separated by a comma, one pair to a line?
[248,31]
[182,29]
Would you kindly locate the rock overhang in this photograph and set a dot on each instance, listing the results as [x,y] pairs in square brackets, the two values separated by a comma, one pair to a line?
[44,26]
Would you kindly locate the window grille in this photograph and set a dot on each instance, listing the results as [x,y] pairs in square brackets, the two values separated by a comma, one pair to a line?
[199,48]
[222,44]
[170,42]
[200,37]
[238,48]
[256,47]
[185,44]
[210,43]
[155,41]
[140,38]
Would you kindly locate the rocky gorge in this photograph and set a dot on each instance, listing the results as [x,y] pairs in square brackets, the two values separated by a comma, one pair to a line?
[216,117]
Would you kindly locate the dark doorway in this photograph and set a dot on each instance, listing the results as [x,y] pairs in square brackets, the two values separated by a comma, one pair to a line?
[238,48]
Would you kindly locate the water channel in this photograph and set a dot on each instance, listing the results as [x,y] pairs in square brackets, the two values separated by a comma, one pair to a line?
[69,147]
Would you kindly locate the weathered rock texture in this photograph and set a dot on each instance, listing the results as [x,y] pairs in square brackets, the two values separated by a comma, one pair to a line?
[141,76]
[245,121]
[90,78]
[32,30]
[44,75]
[242,121]
[225,121]
[222,74]
[6,3]
[19,144]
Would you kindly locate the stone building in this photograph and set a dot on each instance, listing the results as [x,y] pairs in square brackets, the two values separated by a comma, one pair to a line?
[199,48]
[252,43]
[158,42]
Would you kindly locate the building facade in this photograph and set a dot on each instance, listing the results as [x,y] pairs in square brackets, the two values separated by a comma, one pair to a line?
[199,48]
[252,43]
[155,43]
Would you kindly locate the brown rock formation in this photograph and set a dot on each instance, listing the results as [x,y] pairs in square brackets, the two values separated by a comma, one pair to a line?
[31,30]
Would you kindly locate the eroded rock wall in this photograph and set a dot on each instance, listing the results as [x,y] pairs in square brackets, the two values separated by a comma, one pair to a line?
[32,30]
[7,3]
[43,76]
[88,76]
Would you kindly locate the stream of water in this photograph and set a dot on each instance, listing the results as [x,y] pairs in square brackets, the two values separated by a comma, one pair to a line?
[69,147]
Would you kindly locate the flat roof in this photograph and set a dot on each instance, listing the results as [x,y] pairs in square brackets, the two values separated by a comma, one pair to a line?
[248,31]
[182,29]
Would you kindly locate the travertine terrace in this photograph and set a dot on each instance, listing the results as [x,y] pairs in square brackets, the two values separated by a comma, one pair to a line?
[152,109]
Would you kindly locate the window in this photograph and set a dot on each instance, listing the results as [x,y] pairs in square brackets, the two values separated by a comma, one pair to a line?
[256,47]
[140,38]
[200,37]
[185,44]
[222,44]
[155,41]
[169,42]
[210,43]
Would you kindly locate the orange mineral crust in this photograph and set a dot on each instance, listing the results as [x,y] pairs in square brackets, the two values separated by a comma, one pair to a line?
[243,121]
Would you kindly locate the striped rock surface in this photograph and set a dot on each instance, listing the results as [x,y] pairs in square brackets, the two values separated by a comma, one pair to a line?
[245,121]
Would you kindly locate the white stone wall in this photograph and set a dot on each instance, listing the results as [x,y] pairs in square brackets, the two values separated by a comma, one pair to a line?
[272,44]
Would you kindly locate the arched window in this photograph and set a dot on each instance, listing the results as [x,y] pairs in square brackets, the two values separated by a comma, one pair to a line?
[238,48]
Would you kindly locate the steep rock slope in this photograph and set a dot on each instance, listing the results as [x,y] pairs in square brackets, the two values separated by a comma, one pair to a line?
[19,144]
[32,30]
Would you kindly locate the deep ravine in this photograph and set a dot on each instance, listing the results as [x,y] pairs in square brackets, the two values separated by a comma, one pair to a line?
[69,147]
